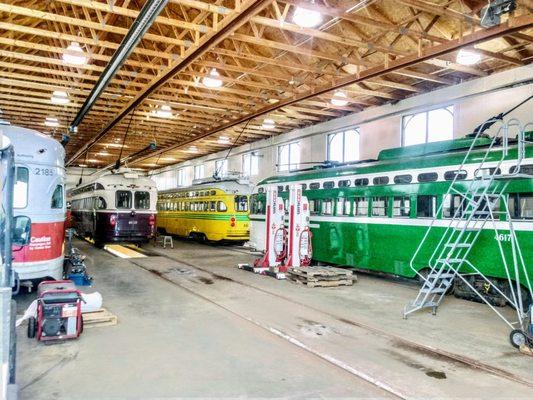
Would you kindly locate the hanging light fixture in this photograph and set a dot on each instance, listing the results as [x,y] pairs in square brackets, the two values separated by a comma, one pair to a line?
[74,54]
[306,18]
[223,140]
[51,121]
[268,124]
[163,112]
[59,97]
[339,99]
[468,57]
[212,80]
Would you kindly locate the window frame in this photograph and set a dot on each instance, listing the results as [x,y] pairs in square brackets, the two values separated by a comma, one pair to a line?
[247,167]
[331,136]
[290,165]
[130,201]
[426,112]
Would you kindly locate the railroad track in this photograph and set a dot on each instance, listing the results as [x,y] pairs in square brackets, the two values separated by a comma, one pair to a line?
[405,343]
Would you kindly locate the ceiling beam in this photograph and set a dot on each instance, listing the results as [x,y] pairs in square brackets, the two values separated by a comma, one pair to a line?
[510,26]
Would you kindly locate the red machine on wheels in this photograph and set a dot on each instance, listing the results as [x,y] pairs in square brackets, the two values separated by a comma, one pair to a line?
[58,312]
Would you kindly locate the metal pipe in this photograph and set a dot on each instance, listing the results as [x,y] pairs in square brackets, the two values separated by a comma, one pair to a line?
[144,20]
[239,19]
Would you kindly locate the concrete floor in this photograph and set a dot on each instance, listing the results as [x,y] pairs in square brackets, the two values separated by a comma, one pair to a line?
[222,332]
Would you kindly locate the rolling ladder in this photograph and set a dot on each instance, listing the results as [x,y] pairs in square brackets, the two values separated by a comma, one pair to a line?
[480,206]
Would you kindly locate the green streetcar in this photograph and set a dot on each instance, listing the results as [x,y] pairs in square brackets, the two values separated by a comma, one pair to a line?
[372,215]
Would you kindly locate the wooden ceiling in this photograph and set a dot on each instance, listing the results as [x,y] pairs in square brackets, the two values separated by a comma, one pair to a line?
[377,51]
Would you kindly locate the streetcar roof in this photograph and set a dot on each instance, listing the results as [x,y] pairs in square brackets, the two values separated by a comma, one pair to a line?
[32,146]
[451,152]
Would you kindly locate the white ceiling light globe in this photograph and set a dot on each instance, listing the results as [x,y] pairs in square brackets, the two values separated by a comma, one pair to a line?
[212,80]
[306,18]
[59,97]
[468,57]
[51,121]
[339,99]
[268,124]
[74,54]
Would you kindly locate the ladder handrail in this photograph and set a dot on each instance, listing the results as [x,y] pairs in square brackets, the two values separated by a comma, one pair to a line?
[505,128]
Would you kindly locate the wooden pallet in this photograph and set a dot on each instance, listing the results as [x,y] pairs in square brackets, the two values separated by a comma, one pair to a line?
[321,276]
[102,317]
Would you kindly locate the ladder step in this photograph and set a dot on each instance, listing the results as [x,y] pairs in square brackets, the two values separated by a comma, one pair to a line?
[450,260]
[434,290]
[442,276]
[459,245]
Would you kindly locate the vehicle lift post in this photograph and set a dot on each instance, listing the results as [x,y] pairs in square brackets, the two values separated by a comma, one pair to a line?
[299,235]
[275,234]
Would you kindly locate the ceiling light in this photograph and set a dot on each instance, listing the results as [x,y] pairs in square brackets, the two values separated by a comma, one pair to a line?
[51,121]
[268,124]
[74,54]
[4,122]
[60,97]
[102,153]
[192,149]
[163,112]
[306,18]
[223,140]
[212,80]
[468,57]
[339,99]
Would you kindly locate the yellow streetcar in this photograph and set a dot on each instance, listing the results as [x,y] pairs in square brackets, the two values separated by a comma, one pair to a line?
[214,210]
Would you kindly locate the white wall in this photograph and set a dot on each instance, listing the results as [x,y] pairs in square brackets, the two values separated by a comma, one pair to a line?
[74,174]
[380,127]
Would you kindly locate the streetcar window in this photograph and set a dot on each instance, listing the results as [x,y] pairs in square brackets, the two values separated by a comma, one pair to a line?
[360,207]
[361,182]
[380,180]
[403,179]
[314,205]
[343,206]
[328,185]
[187,206]
[314,185]
[451,205]
[213,206]
[487,172]
[123,199]
[142,200]
[256,205]
[428,177]
[327,207]
[260,190]
[344,183]
[450,175]
[57,197]
[426,205]
[524,169]
[280,188]
[20,192]
[241,203]
[304,186]
[379,206]
[101,204]
[401,206]
[221,206]
[521,205]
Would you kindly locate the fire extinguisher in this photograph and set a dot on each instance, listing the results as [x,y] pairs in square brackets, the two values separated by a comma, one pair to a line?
[306,244]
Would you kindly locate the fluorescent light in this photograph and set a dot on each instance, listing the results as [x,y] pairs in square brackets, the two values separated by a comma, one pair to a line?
[60,97]
[102,153]
[192,149]
[114,145]
[268,124]
[51,121]
[468,57]
[164,112]
[74,54]
[4,122]
[306,18]
[339,99]
[212,80]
